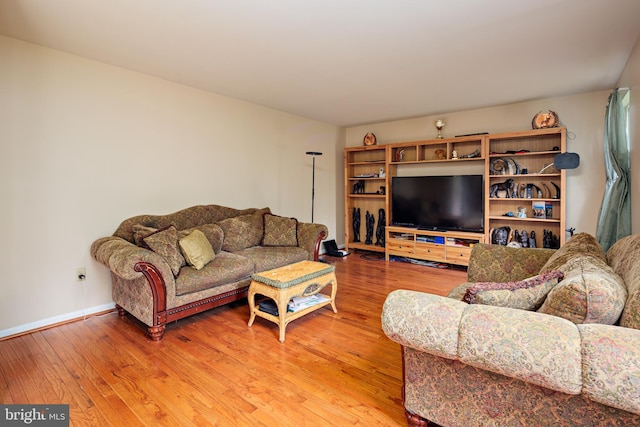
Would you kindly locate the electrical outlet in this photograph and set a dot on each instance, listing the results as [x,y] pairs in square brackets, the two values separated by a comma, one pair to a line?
[81,274]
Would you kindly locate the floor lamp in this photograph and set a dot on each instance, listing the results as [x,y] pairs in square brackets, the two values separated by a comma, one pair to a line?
[313,178]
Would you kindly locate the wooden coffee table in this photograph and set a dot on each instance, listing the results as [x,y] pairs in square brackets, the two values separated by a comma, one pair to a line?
[303,279]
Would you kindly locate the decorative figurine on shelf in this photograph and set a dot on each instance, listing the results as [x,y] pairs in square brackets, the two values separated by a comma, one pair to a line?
[400,155]
[356,224]
[454,155]
[439,125]
[440,154]
[550,240]
[500,236]
[382,174]
[370,221]
[382,190]
[507,186]
[546,239]
[532,239]
[471,155]
[358,187]
[522,212]
[523,191]
[380,229]
[524,239]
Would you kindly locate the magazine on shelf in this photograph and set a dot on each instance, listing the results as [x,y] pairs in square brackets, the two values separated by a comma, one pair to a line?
[300,303]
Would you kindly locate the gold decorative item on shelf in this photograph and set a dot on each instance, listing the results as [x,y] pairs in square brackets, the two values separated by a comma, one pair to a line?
[439,125]
[369,139]
[545,120]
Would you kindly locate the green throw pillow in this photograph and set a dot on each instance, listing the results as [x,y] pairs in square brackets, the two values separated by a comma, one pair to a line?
[196,249]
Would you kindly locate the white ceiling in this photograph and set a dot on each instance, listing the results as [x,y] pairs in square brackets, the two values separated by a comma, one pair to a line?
[348,62]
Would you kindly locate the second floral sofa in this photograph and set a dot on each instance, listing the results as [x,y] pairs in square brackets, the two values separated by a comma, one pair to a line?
[559,349]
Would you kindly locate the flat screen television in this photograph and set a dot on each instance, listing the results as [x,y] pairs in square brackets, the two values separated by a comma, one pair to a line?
[447,202]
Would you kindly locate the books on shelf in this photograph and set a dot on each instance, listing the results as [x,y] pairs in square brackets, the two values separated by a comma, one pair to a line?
[430,239]
[539,210]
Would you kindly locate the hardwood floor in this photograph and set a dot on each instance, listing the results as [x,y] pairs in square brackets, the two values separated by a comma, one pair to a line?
[212,369]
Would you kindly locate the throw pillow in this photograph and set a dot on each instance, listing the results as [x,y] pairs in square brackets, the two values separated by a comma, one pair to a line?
[623,258]
[526,294]
[591,292]
[140,232]
[241,232]
[579,245]
[214,234]
[280,231]
[196,249]
[165,243]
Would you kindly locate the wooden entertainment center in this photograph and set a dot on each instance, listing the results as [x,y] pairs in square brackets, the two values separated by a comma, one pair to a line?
[523,159]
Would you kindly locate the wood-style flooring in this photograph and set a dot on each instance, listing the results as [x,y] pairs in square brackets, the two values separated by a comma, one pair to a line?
[212,369]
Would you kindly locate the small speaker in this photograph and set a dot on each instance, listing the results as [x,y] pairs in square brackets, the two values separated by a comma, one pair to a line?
[566,161]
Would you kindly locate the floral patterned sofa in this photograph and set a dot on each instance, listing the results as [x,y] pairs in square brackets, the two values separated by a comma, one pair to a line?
[167,267]
[536,338]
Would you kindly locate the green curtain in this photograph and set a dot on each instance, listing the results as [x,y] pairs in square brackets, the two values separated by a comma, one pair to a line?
[614,220]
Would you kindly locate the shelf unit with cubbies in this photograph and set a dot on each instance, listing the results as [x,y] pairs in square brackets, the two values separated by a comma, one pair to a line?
[365,189]
[525,157]
[468,148]
[527,160]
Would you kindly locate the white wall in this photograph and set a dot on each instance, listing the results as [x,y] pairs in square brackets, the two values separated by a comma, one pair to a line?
[583,115]
[630,78]
[85,145]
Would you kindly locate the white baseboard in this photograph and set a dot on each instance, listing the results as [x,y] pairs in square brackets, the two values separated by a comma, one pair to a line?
[63,318]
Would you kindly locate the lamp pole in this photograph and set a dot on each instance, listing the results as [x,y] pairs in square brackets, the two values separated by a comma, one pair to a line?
[313,178]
